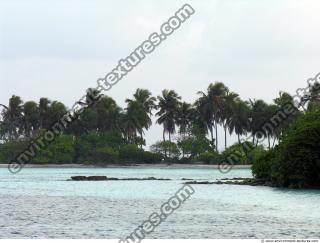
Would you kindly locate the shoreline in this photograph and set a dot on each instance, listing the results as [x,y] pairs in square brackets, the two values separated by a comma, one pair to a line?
[157,165]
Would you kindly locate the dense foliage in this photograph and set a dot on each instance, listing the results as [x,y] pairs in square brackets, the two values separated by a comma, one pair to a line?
[295,162]
[107,133]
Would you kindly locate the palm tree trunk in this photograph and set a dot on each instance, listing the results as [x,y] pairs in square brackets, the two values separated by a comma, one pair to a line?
[164,139]
[225,136]
[211,133]
[216,127]
[239,138]
[274,141]
[269,141]
[141,139]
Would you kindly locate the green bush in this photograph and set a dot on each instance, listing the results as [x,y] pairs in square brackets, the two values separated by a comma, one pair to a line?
[298,158]
[105,155]
[254,154]
[87,146]
[131,153]
[295,162]
[10,150]
[209,158]
[193,146]
[262,164]
[169,150]
[185,160]
[61,150]
[149,157]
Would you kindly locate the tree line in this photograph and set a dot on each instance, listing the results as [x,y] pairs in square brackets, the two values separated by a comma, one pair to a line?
[196,124]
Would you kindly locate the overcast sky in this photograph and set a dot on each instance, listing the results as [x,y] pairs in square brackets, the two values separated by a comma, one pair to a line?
[58,48]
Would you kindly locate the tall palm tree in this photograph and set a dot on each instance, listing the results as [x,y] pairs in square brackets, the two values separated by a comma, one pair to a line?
[239,120]
[107,114]
[314,97]
[228,101]
[145,98]
[44,104]
[168,105]
[141,107]
[184,117]
[281,102]
[56,110]
[258,116]
[128,126]
[13,117]
[30,117]
[136,115]
[205,115]
[212,105]
[271,131]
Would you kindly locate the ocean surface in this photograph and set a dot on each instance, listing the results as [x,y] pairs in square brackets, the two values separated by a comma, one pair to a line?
[41,203]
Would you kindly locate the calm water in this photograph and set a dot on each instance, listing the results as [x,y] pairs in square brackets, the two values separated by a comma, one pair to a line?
[40,203]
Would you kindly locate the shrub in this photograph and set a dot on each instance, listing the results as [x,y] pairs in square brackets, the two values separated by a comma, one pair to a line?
[166,148]
[10,150]
[262,164]
[295,162]
[253,154]
[149,157]
[185,160]
[61,150]
[105,155]
[298,158]
[131,153]
[192,146]
[209,157]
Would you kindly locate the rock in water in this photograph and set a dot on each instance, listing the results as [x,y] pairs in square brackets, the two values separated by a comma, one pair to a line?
[79,178]
[96,178]
[89,178]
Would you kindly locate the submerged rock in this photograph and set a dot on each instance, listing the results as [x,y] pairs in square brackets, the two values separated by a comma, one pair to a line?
[79,178]
[105,178]
[199,182]
[89,178]
[243,181]
[97,178]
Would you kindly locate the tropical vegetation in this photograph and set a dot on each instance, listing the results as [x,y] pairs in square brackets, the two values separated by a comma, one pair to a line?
[107,133]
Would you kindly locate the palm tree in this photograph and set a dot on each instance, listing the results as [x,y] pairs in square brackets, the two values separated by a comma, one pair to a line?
[184,117]
[30,117]
[271,131]
[228,102]
[239,120]
[205,115]
[13,118]
[107,114]
[141,107]
[137,117]
[128,126]
[281,102]
[314,97]
[44,104]
[168,105]
[145,98]
[56,110]
[258,116]
[211,104]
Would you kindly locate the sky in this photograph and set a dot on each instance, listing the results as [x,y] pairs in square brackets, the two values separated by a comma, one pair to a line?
[59,48]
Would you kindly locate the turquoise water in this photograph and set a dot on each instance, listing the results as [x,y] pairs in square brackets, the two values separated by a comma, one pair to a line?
[41,203]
